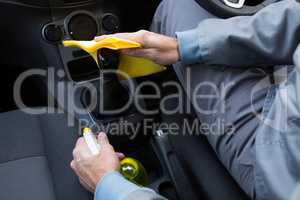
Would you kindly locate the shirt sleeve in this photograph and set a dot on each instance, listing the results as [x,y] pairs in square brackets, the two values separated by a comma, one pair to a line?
[270,37]
[113,186]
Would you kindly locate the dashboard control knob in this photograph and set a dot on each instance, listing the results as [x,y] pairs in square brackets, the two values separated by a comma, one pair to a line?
[52,33]
[82,26]
[110,23]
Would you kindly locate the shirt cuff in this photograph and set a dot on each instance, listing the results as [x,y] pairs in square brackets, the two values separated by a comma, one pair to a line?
[189,49]
[113,186]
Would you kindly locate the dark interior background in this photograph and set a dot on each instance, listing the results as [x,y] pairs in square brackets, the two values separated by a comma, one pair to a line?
[22,46]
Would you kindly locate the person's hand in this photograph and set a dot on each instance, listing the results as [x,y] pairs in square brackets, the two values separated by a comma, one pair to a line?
[158,48]
[90,169]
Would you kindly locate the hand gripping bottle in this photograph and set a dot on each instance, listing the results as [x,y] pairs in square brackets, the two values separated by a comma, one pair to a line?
[130,168]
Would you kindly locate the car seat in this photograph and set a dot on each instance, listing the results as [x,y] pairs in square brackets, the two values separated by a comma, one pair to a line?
[35,155]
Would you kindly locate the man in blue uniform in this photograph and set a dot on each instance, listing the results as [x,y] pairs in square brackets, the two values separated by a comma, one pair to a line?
[262,154]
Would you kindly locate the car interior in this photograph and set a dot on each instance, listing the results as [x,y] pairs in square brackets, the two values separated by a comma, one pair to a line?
[36,150]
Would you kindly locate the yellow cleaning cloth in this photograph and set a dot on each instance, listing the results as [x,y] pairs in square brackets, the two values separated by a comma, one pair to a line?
[132,66]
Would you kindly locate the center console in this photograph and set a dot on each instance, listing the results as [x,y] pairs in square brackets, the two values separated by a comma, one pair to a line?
[133,133]
[130,131]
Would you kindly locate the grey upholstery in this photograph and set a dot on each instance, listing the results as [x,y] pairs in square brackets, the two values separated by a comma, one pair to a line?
[35,152]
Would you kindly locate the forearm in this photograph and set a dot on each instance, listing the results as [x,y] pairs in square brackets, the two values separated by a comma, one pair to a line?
[270,37]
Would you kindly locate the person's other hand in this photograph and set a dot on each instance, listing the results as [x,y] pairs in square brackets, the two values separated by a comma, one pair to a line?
[90,169]
[158,48]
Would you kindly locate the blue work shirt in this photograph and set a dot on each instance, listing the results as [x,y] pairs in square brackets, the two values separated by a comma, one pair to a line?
[268,38]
